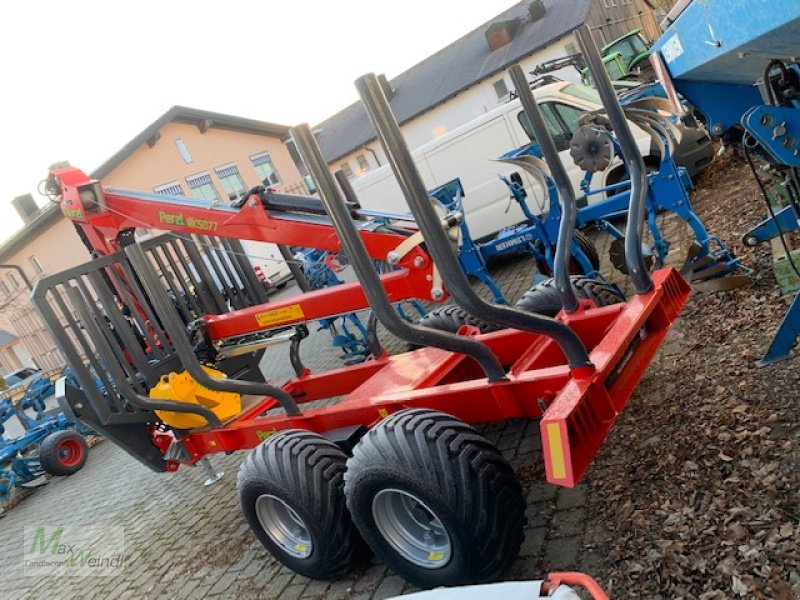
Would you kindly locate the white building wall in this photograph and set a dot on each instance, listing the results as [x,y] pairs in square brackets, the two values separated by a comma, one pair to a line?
[462,108]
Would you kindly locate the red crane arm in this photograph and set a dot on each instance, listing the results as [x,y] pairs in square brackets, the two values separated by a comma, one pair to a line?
[103,213]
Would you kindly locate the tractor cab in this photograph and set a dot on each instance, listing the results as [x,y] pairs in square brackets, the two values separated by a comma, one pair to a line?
[631,50]
[616,66]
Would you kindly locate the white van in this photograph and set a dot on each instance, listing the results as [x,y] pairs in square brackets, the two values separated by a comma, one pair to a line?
[469,153]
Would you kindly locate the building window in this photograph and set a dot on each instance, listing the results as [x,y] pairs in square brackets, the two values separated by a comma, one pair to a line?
[231,181]
[184,151]
[12,279]
[348,172]
[37,266]
[265,169]
[310,185]
[362,163]
[609,3]
[571,48]
[171,189]
[501,89]
[3,287]
[202,188]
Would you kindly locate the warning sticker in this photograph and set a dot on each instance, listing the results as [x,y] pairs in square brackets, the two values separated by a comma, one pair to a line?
[672,48]
[280,315]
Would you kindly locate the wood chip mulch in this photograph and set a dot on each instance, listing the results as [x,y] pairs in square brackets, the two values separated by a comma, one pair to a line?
[696,492]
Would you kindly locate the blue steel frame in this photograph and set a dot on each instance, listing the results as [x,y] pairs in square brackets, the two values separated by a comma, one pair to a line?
[667,191]
[348,332]
[19,457]
[715,52]
[532,237]
[769,228]
[773,127]
[777,129]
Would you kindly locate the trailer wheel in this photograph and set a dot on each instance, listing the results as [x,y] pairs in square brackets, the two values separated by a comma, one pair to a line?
[63,452]
[291,492]
[451,317]
[435,500]
[544,299]
[588,248]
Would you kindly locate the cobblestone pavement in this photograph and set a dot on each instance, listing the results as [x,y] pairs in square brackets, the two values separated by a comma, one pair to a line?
[184,539]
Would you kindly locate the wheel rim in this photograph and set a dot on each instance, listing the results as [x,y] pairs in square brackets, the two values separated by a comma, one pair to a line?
[69,452]
[284,526]
[411,528]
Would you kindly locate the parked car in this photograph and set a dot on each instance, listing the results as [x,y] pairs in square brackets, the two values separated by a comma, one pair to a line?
[468,153]
[22,377]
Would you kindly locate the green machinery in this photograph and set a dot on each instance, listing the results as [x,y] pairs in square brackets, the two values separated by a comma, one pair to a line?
[625,58]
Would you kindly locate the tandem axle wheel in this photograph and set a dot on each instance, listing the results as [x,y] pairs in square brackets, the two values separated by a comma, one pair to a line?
[430,497]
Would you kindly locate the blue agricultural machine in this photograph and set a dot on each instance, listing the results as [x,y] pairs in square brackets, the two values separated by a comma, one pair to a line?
[736,62]
[50,442]
[709,264]
[355,339]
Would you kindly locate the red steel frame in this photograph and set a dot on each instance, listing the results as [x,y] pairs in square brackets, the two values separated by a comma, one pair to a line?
[580,405]
[577,406]
[118,212]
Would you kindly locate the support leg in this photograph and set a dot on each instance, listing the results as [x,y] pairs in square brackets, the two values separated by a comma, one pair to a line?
[213,476]
[786,336]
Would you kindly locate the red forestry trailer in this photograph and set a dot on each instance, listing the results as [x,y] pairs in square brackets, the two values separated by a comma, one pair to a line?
[393,464]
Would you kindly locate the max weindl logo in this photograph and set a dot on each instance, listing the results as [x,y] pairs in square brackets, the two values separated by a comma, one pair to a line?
[73,550]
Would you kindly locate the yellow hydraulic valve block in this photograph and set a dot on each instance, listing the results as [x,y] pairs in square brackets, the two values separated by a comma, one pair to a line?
[183,388]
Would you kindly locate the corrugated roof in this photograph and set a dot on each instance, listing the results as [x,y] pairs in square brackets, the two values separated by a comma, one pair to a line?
[452,70]
[6,337]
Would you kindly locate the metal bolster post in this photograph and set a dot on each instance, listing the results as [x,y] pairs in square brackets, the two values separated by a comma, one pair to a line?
[177,335]
[68,350]
[411,183]
[368,276]
[630,152]
[247,273]
[119,377]
[347,189]
[297,272]
[203,274]
[566,195]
